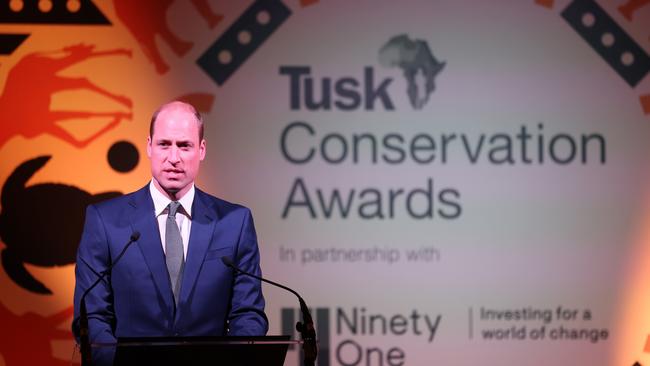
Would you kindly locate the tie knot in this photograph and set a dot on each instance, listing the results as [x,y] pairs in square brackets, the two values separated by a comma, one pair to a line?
[173,207]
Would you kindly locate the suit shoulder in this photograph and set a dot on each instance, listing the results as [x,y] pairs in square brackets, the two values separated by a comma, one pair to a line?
[222,206]
[117,202]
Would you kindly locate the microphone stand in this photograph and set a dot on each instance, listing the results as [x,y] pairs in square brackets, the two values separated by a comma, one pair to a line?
[84,336]
[306,329]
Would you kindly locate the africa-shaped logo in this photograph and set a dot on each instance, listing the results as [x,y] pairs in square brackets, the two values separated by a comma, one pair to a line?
[418,64]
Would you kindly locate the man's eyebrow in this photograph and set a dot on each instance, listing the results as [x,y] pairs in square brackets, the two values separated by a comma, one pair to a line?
[162,139]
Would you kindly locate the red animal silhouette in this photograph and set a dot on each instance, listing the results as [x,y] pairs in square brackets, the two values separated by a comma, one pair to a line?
[645,103]
[26,339]
[204,9]
[308,2]
[147,18]
[632,6]
[546,3]
[25,102]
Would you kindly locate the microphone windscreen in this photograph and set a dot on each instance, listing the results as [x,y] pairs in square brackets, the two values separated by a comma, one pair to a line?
[227,261]
[135,236]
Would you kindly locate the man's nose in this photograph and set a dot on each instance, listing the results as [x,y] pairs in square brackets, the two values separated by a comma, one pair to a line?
[174,156]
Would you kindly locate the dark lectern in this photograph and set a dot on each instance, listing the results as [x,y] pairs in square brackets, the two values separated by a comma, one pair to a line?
[199,351]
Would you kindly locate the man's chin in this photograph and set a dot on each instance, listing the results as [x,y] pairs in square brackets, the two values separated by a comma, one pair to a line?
[172,186]
[172,189]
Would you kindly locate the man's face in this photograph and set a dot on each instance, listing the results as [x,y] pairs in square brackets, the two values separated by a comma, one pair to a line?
[175,150]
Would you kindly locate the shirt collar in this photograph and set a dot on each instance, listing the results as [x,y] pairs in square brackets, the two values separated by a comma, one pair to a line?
[160,201]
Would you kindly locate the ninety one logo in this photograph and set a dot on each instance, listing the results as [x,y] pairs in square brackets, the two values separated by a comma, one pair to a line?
[357,322]
[289,317]
[349,93]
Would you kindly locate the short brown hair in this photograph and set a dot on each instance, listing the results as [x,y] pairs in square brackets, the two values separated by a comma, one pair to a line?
[199,118]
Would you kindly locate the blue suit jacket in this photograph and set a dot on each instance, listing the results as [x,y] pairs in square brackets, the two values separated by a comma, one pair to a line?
[136,300]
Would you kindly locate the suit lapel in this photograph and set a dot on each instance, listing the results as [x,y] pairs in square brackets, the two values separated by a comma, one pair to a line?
[144,221]
[203,220]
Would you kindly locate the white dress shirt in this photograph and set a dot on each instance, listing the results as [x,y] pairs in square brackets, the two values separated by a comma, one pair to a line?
[183,215]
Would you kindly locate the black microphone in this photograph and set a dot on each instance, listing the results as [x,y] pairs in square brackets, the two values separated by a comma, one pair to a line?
[86,358]
[307,330]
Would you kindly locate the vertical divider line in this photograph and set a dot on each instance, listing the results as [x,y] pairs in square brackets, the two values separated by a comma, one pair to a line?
[471,323]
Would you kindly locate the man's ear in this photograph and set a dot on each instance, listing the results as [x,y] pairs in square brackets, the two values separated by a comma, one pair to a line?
[149,147]
[202,149]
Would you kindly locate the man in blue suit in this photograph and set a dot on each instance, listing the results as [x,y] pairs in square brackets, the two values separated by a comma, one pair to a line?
[171,281]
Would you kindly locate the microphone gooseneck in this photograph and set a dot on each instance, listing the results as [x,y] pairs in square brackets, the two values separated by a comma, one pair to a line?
[84,336]
[306,329]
